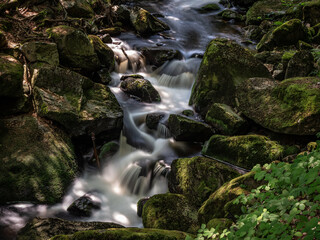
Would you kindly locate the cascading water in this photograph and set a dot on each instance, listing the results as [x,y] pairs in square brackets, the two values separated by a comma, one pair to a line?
[140,166]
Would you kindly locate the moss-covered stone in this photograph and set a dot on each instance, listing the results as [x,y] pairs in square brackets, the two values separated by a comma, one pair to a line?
[245,151]
[311,12]
[224,66]
[219,224]
[46,228]
[225,120]
[185,129]
[158,56]
[211,7]
[300,65]
[170,211]
[105,53]
[214,206]
[37,161]
[112,31]
[291,106]
[229,14]
[41,52]
[77,8]
[124,234]
[198,177]
[287,34]
[75,49]
[108,149]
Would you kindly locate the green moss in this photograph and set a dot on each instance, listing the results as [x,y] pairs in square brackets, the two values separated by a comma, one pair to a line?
[287,55]
[219,224]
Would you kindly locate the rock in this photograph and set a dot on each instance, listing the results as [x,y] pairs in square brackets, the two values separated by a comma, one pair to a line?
[108,150]
[46,228]
[254,32]
[186,129]
[75,49]
[211,7]
[311,12]
[3,40]
[144,23]
[198,177]
[158,56]
[242,3]
[214,207]
[41,52]
[245,151]
[77,8]
[171,212]
[219,224]
[153,119]
[315,33]
[188,113]
[224,66]
[121,13]
[112,31]
[290,107]
[222,118]
[106,38]
[141,88]
[125,234]
[140,205]
[75,102]
[229,14]
[37,161]
[287,34]
[84,206]
[300,65]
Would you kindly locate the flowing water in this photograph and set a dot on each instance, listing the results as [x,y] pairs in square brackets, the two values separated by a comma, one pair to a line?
[140,166]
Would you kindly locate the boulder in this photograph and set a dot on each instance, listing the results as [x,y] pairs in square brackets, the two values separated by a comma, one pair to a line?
[158,56]
[210,7]
[171,212]
[300,65]
[41,52]
[75,102]
[77,8]
[245,151]
[75,49]
[229,14]
[214,207]
[37,161]
[125,234]
[144,23]
[140,88]
[3,40]
[224,66]
[198,177]
[84,206]
[105,53]
[291,106]
[140,205]
[289,33]
[108,150]
[311,12]
[46,228]
[186,129]
[112,31]
[222,118]
[153,119]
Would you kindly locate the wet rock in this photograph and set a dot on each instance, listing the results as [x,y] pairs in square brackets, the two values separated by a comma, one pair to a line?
[290,107]
[108,150]
[215,206]
[140,205]
[224,66]
[254,32]
[186,129]
[188,113]
[198,177]
[300,65]
[84,206]
[140,88]
[211,7]
[75,102]
[153,119]
[245,151]
[287,34]
[311,12]
[74,47]
[112,31]
[158,56]
[121,14]
[37,160]
[106,38]
[105,54]
[222,118]
[102,76]
[77,8]
[229,14]
[41,52]
[3,40]
[46,228]
[124,77]
[170,211]
[144,23]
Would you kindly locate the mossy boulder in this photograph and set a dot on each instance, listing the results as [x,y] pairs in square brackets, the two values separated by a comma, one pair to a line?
[144,23]
[75,102]
[291,106]
[210,7]
[214,207]
[3,40]
[84,206]
[46,228]
[286,34]
[223,118]
[77,8]
[140,88]
[186,129]
[311,12]
[219,224]
[245,151]
[37,161]
[124,234]
[158,56]
[108,150]
[41,52]
[224,66]
[105,53]
[171,212]
[198,177]
[229,14]
[75,48]
[300,65]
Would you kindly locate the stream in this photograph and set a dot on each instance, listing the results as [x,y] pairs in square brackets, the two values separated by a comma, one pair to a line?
[140,166]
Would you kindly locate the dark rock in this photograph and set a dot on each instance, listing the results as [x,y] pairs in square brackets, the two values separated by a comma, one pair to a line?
[106,38]
[300,65]
[3,40]
[84,206]
[211,7]
[311,12]
[112,31]
[153,119]
[254,32]
[138,76]
[108,150]
[158,56]
[41,52]
[188,113]
[77,8]
[229,14]
[140,205]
